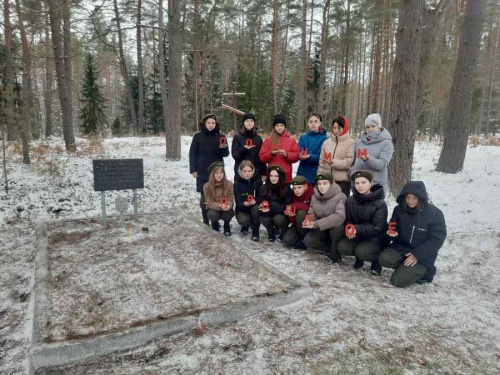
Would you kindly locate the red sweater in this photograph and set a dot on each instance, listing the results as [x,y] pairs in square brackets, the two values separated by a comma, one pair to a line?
[302,203]
[287,143]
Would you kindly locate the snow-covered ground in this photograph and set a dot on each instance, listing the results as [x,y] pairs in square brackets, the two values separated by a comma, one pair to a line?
[354,324]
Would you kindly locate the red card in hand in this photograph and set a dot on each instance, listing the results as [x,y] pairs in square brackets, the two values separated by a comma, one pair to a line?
[350,230]
[249,198]
[249,142]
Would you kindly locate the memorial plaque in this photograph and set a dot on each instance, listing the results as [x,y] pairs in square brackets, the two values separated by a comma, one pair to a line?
[118,174]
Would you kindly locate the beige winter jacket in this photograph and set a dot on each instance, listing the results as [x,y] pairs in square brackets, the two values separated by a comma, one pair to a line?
[219,194]
[328,210]
[342,151]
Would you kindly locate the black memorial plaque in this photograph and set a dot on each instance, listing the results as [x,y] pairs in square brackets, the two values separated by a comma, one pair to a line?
[118,174]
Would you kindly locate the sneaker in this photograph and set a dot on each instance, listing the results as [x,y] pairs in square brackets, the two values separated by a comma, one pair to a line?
[227,230]
[215,226]
[376,268]
[428,276]
[358,264]
[244,231]
[255,234]
[333,259]
[299,245]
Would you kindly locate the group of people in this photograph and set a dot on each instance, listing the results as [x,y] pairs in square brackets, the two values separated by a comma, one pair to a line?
[315,209]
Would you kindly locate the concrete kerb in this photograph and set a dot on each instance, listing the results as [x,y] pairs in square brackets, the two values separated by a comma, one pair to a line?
[57,354]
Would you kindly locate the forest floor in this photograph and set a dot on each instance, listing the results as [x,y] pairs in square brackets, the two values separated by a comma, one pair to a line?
[352,323]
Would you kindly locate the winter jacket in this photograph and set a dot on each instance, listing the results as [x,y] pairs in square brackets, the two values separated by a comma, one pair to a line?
[240,153]
[368,214]
[380,149]
[303,202]
[421,233]
[219,193]
[287,143]
[277,205]
[243,188]
[204,151]
[328,210]
[342,150]
[311,142]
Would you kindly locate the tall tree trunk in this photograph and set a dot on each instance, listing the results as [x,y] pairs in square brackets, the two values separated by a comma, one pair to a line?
[375,107]
[140,77]
[173,125]
[324,51]
[302,87]
[402,119]
[490,89]
[456,131]
[196,64]
[68,131]
[124,70]
[59,62]
[49,71]
[12,132]
[161,50]
[343,100]
[274,54]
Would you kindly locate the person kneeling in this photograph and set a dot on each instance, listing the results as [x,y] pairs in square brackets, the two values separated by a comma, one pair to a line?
[219,197]
[274,196]
[366,222]
[297,211]
[246,189]
[418,231]
[327,217]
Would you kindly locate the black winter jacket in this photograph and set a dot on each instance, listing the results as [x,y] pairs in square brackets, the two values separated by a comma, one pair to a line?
[240,153]
[203,152]
[243,188]
[420,232]
[277,205]
[369,215]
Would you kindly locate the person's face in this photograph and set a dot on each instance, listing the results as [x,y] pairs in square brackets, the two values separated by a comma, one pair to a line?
[247,172]
[313,123]
[274,177]
[210,124]
[323,186]
[219,174]
[280,128]
[249,124]
[299,190]
[372,128]
[336,129]
[411,200]
[362,185]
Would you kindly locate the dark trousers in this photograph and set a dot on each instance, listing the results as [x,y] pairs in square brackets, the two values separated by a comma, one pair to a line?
[246,219]
[345,186]
[216,216]
[366,250]
[326,240]
[203,207]
[270,222]
[296,232]
[402,276]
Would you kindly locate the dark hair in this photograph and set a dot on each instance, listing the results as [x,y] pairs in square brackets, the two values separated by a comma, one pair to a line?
[315,115]
[280,188]
[243,130]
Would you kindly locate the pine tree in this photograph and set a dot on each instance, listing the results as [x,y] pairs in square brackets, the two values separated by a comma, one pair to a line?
[93,112]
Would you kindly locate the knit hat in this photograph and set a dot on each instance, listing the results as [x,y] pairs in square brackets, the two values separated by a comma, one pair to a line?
[214,165]
[366,174]
[324,176]
[276,168]
[248,116]
[206,117]
[279,119]
[374,120]
[298,180]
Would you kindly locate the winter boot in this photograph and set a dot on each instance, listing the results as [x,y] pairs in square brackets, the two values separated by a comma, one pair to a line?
[227,229]
[358,264]
[280,233]
[299,245]
[255,233]
[428,276]
[215,226]
[244,231]
[272,235]
[205,217]
[376,268]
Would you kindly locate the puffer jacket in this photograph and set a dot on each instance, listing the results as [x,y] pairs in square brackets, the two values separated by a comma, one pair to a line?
[328,210]
[277,204]
[303,202]
[219,192]
[311,142]
[420,232]
[243,188]
[287,143]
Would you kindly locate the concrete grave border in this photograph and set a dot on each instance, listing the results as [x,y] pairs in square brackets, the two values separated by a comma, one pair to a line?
[71,352]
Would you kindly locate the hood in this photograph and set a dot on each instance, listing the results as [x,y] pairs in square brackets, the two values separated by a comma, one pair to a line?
[215,131]
[306,197]
[384,135]
[377,193]
[416,188]
[240,178]
[333,191]
[345,124]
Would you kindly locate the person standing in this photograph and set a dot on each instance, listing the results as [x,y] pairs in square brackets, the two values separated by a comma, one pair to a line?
[310,147]
[207,146]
